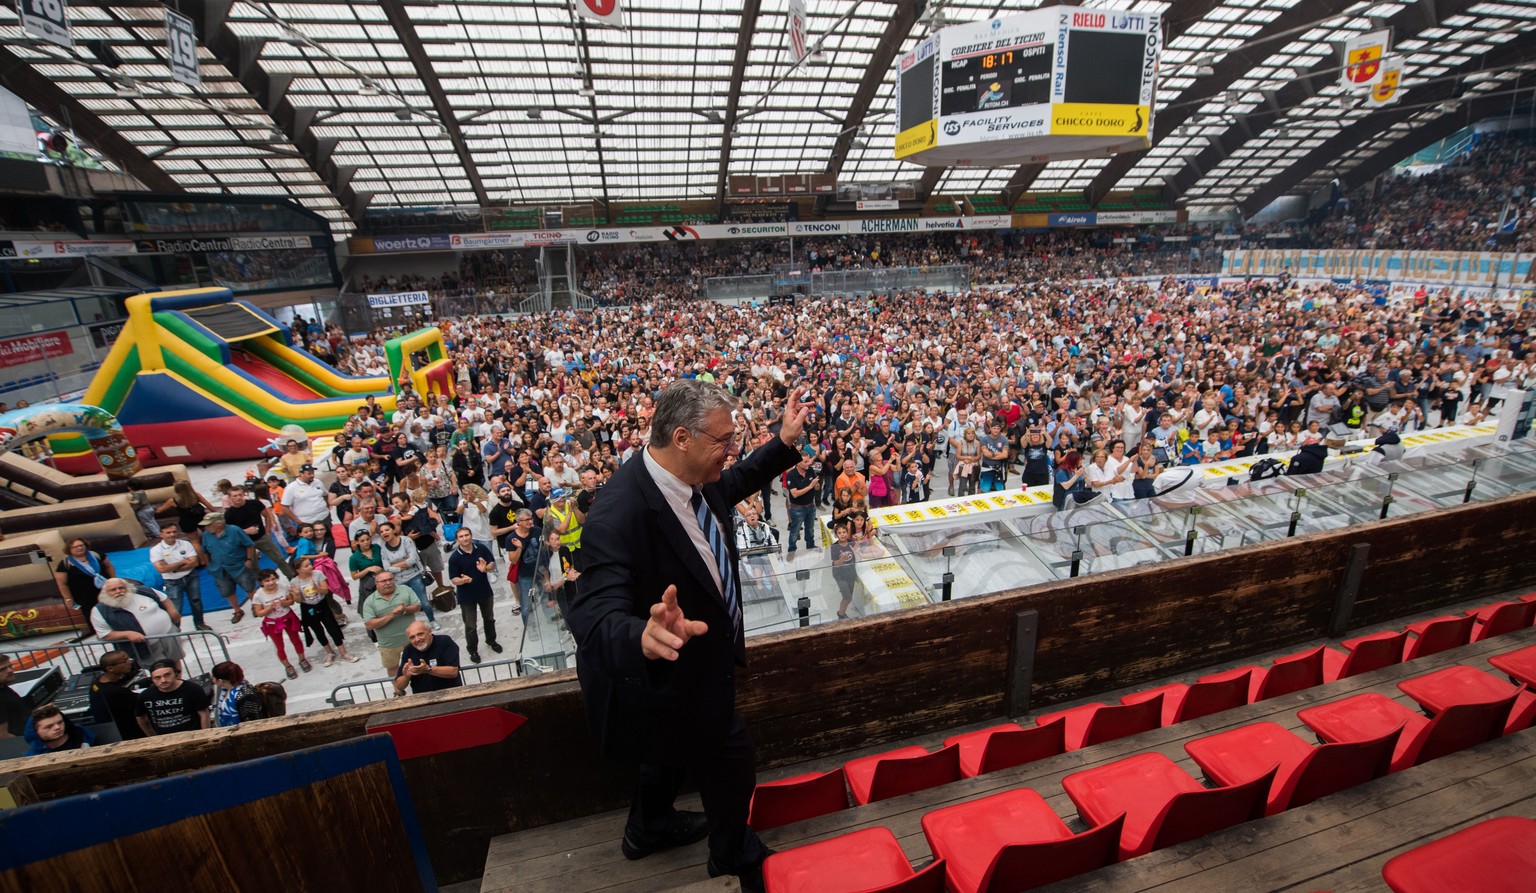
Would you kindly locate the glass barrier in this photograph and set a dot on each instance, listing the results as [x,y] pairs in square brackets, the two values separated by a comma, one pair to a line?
[923,561]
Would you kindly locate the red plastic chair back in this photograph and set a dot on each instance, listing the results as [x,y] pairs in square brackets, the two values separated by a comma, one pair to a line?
[861,861]
[1292,674]
[907,774]
[1025,866]
[1373,654]
[794,800]
[1441,635]
[1197,813]
[1015,748]
[1333,767]
[929,880]
[1458,728]
[1506,619]
[1120,720]
[1205,698]
[1524,712]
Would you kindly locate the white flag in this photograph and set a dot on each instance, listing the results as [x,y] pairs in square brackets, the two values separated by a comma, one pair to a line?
[1363,55]
[797,41]
[606,12]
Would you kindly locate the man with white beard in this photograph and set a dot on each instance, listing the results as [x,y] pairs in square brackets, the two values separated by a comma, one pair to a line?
[124,616]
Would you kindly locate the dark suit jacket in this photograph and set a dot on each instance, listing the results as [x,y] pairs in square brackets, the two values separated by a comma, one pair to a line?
[634,546]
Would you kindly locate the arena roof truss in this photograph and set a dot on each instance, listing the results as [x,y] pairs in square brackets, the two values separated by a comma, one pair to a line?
[344,105]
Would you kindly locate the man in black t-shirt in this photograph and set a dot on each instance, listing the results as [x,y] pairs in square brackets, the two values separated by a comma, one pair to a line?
[800,486]
[428,662]
[247,513]
[111,699]
[171,705]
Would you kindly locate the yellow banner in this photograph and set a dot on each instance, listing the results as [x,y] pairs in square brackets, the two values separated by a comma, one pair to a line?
[917,139]
[1090,119]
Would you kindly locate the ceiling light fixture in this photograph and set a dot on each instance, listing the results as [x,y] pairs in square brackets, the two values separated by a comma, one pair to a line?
[713,116]
[369,87]
[587,90]
[404,113]
[535,114]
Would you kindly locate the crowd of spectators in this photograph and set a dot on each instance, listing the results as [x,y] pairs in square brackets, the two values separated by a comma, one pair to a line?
[1457,207]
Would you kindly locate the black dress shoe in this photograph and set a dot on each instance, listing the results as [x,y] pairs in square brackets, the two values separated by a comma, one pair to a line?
[474,656]
[687,827]
[750,876]
[494,647]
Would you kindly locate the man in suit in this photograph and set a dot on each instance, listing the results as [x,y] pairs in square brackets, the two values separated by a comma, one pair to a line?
[657,619]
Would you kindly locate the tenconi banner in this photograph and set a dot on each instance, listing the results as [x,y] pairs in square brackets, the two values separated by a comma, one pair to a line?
[1486,268]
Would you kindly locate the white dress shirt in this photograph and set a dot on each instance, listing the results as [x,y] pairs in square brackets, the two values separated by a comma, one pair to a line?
[680,497]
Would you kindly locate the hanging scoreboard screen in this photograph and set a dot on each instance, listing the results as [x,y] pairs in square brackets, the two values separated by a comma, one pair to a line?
[1058,82]
[996,79]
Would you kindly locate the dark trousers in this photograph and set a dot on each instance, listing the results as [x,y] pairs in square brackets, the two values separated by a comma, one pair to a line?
[471,634]
[725,784]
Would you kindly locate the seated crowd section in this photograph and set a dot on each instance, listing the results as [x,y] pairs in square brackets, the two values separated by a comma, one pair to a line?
[1132,805]
[1459,206]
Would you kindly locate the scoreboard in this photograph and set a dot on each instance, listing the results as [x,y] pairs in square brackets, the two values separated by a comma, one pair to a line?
[1058,82]
[996,79]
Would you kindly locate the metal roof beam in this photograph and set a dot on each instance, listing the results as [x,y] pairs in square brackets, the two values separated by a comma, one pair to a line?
[1409,20]
[394,10]
[749,14]
[880,61]
[1520,50]
[48,97]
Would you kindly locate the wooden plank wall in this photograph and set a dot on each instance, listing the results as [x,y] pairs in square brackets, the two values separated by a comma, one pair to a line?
[327,819]
[818,692]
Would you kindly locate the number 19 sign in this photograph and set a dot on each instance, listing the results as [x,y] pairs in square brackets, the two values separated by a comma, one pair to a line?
[181,39]
[46,19]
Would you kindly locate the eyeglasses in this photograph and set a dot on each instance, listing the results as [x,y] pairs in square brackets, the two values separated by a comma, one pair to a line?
[725,443]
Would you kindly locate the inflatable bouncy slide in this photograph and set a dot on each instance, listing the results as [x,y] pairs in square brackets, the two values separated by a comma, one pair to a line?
[196,375]
[42,508]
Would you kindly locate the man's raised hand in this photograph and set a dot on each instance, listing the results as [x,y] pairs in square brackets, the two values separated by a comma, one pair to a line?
[795,413]
[668,630]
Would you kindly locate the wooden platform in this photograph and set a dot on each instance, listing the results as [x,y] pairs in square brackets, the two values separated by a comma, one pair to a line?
[1338,843]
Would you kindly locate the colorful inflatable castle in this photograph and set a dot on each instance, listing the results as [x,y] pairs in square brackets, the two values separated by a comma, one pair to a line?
[198,376]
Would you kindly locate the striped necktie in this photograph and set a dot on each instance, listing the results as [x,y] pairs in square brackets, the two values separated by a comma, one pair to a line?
[716,540]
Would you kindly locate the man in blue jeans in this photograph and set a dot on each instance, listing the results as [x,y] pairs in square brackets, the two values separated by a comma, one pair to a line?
[177,561]
[801,483]
[231,560]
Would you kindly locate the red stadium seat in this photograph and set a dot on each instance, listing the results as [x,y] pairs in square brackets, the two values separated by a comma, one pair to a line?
[1014,841]
[1502,617]
[1496,856]
[1523,713]
[1366,716]
[901,771]
[1163,805]
[1184,702]
[1306,772]
[1364,654]
[867,861]
[1093,724]
[1286,675]
[1439,634]
[1008,745]
[796,799]
[1520,664]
